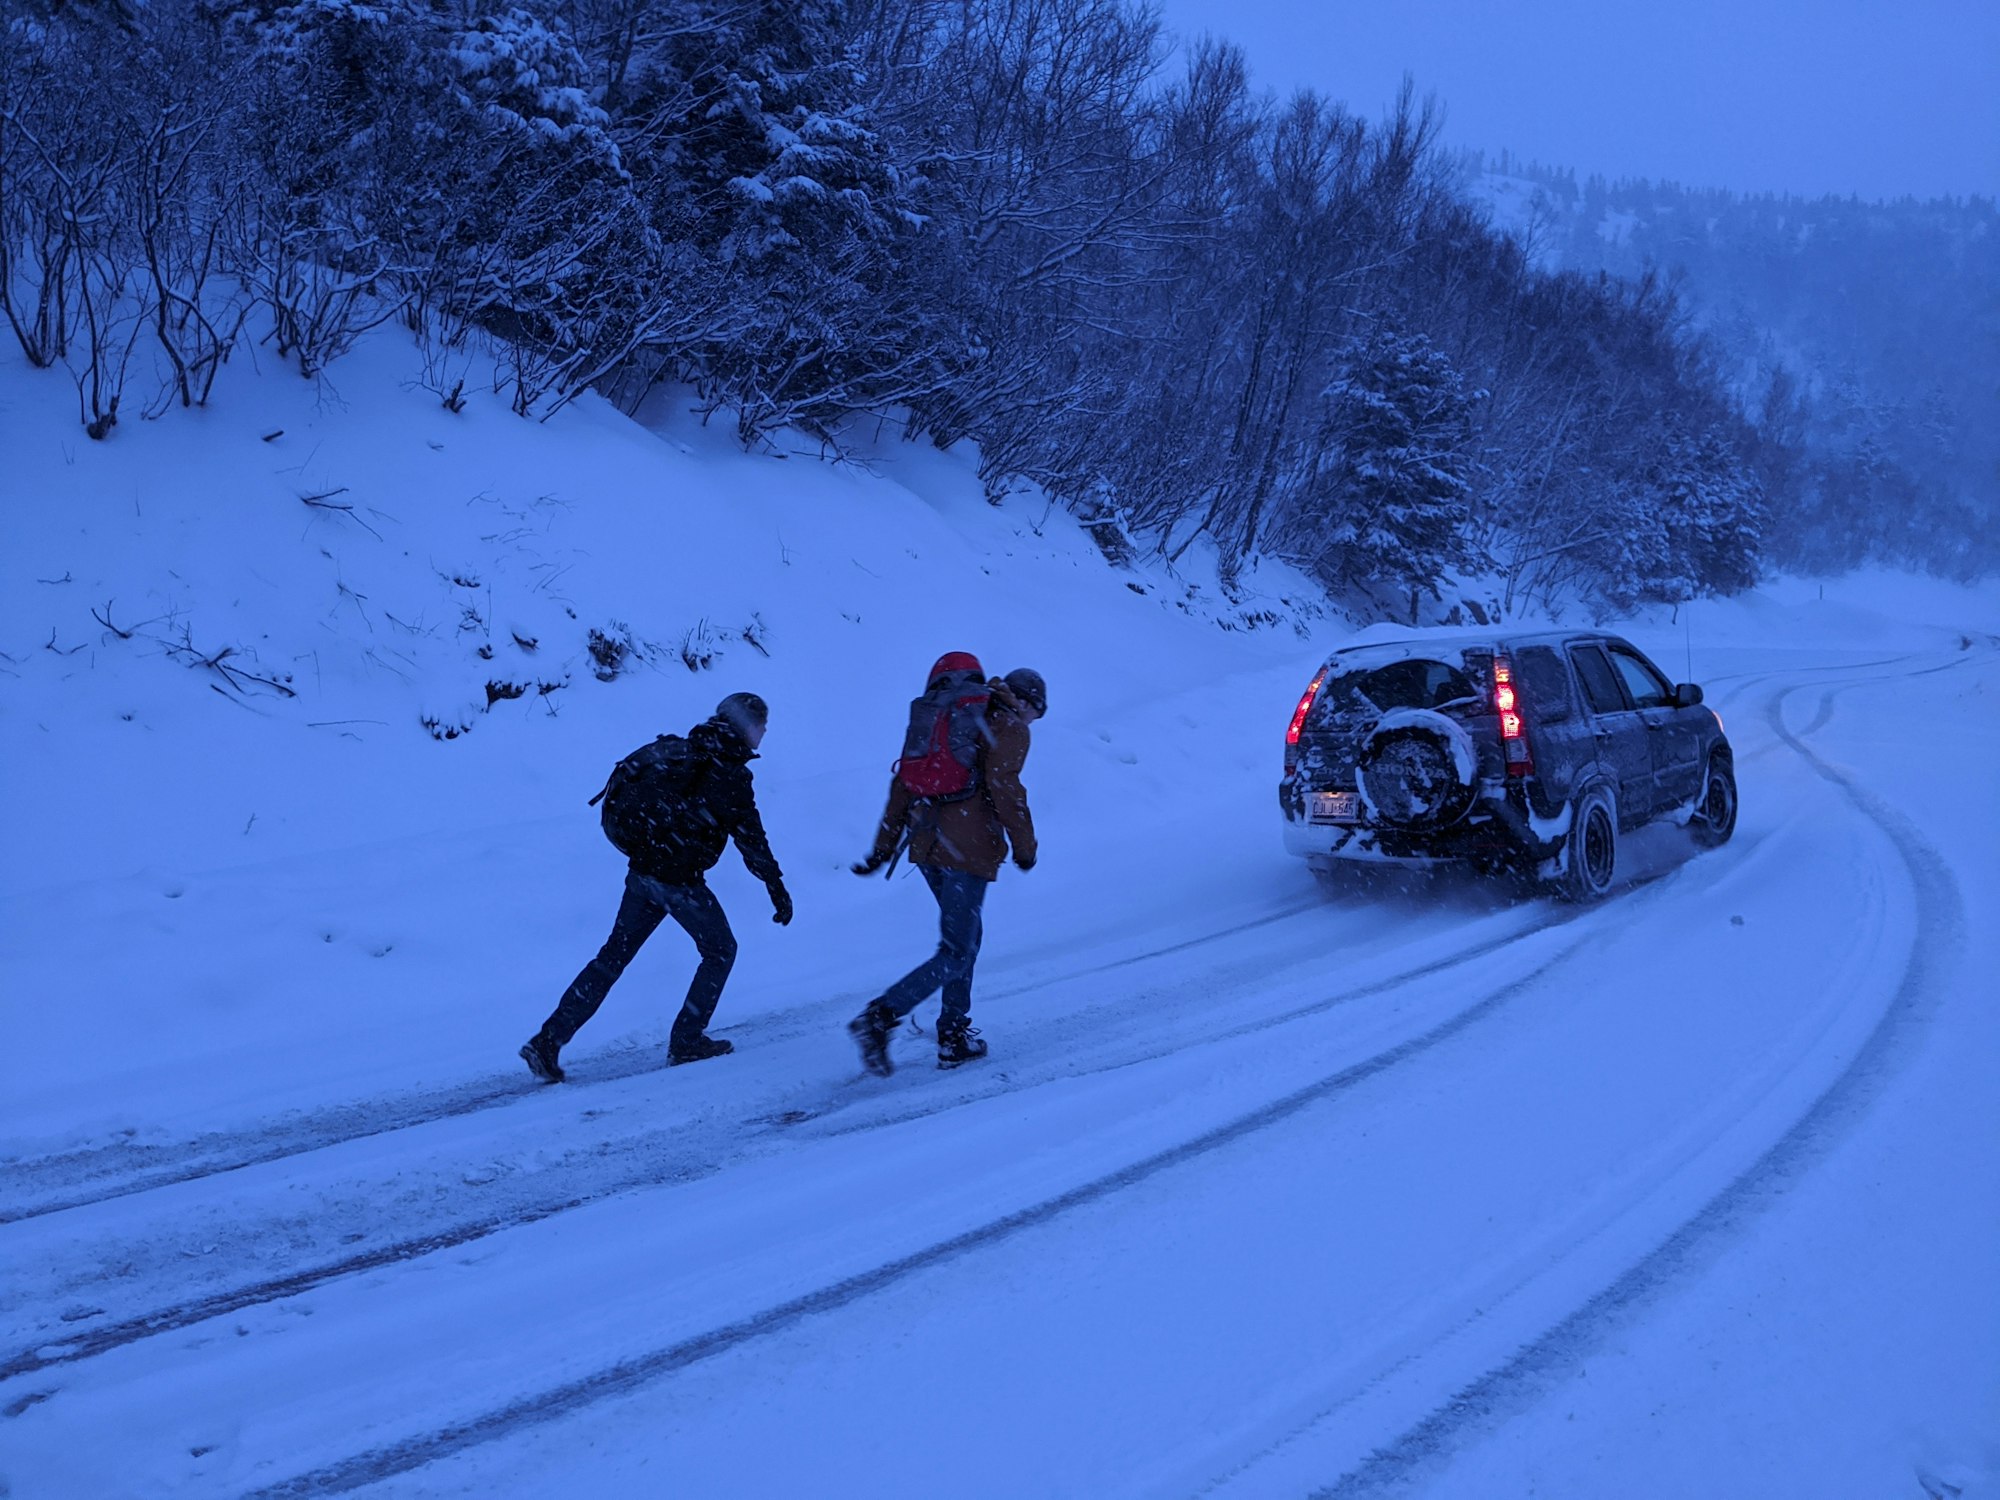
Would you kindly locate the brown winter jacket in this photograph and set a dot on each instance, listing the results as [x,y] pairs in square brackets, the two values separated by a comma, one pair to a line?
[971,834]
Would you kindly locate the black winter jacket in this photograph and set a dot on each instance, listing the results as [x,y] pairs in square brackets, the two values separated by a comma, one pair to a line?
[723,805]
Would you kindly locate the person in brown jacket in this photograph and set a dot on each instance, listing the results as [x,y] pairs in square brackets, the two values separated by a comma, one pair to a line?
[958,845]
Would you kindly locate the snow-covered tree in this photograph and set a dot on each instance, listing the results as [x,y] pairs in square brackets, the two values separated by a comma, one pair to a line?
[1691,524]
[526,74]
[1397,479]
[806,209]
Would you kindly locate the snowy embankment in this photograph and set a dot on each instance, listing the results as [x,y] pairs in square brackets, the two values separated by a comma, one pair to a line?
[278,872]
[1687,1193]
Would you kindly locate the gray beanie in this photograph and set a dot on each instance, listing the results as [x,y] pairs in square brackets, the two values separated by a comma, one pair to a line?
[744,712]
[1027,685]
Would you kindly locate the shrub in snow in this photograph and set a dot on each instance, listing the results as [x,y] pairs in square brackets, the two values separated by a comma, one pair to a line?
[446,726]
[698,649]
[610,648]
[1105,523]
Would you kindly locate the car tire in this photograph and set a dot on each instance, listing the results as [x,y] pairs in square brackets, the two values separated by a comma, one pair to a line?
[1426,751]
[1715,815]
[1590,848]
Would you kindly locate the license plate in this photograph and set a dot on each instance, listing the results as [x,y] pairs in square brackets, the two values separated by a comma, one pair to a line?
[1336,807]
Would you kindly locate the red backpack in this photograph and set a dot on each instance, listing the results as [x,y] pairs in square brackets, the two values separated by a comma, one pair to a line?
[940,760]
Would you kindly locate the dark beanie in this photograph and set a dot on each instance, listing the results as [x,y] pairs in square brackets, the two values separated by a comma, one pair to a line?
[1027,685]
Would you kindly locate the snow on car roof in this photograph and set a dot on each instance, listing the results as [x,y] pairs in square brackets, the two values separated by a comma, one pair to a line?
[1368,654]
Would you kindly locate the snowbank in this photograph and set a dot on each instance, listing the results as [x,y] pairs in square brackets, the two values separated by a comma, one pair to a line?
[302,710]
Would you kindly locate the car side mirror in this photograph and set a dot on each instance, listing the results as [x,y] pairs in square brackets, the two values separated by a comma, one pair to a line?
[1687,694]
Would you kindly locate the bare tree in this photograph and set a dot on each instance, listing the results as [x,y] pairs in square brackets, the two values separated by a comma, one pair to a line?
[197,312]
[56,173]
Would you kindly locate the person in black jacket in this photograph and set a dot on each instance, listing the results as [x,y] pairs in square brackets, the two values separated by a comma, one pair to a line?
[667,881]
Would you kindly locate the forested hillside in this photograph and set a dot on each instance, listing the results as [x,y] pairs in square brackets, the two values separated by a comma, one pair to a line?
[1864,338]
[1183,308]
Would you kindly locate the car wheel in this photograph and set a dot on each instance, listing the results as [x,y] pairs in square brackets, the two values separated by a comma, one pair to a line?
[1590,849]
[1419,775]
[1715,819]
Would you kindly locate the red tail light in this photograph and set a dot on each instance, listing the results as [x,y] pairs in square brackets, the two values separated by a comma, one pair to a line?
[1507,704]
[1304,708]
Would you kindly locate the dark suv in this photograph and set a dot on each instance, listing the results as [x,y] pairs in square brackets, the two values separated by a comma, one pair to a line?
[1528,752]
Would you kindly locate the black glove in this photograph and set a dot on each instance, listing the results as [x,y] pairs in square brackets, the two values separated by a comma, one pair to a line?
[781,904]
[869,865]
[1025,862]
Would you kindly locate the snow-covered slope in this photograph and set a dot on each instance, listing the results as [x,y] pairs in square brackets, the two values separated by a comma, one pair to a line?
[274,856]
[1262,1192]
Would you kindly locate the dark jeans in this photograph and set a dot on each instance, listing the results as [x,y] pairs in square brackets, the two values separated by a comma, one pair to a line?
[959,898]
[647,902]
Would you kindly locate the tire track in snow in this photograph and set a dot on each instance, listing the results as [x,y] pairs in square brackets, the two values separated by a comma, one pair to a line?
[221,1152]
[1551,1354]
[413,1453]
[1742,682]
[1557,916]
[1539,1366]
[149,1167]
[105,1339]
[72,1348]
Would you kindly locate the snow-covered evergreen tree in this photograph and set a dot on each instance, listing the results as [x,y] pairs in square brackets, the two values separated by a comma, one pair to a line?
[1399,472]
[526,74]
[1692,524]
[805,208]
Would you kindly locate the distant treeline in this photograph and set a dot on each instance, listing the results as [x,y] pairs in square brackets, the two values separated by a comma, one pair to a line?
[1188,311]
[1863,337]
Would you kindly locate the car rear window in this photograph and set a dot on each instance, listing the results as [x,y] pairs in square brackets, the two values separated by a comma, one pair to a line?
[1419,682]
[1544,682]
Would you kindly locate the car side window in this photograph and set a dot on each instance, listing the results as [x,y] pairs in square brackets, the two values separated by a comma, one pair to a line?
[1544,683]
[1647,687]
[1600,683]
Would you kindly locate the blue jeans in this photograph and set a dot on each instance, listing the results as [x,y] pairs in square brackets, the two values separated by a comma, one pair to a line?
[647,903]
[959,898]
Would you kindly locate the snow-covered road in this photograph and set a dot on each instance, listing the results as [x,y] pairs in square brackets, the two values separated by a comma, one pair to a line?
[1286,1195]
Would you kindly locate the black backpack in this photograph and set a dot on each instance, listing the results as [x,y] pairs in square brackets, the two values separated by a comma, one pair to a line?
[651,797]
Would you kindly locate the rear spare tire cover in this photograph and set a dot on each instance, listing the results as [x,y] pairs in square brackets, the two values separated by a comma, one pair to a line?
[1418,769]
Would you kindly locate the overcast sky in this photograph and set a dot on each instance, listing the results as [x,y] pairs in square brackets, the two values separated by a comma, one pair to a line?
[1873,97]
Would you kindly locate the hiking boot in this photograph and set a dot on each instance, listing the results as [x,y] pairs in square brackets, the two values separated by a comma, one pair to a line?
[871,1031]
[958,1043]
[698,1050]
[539,1053]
